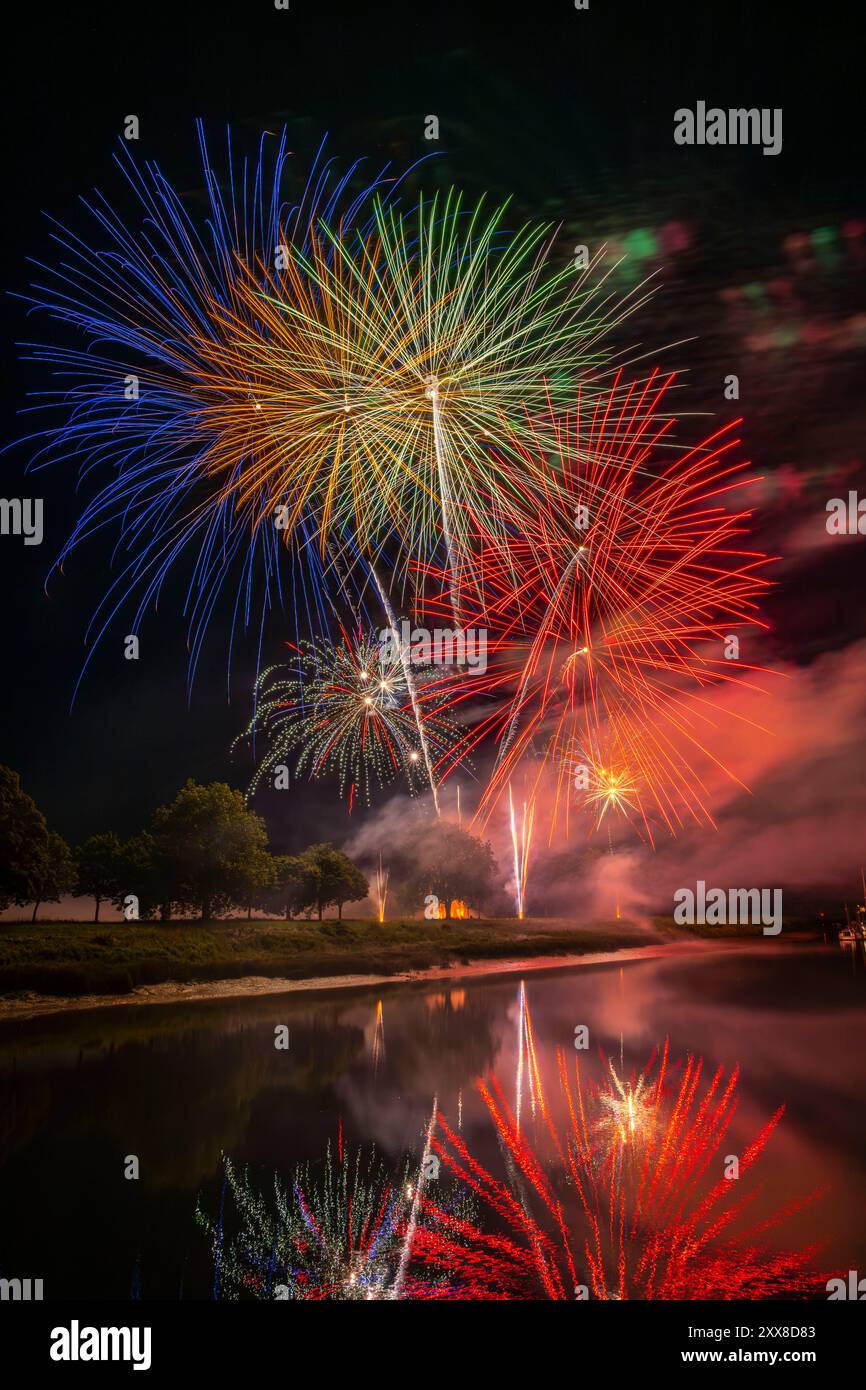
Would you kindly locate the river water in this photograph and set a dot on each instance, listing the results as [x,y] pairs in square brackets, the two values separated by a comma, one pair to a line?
[178,1086]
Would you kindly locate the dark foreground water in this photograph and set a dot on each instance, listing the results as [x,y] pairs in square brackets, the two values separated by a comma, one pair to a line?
[179,1085]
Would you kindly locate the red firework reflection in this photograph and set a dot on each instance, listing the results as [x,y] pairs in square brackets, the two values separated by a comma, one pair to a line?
[630,1199]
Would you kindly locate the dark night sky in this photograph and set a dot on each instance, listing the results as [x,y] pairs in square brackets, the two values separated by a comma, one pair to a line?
[565,110]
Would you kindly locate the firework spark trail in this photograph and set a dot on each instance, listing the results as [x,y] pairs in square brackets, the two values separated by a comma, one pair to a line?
[439,449]
[417,1194]
[497,1195]
[354,381]
[527,1060]
[333,361]
[341,1233]
[521,1031]
[381,891]
[628,1218]
[483,1265]
[531,664]
[405,658]
[526,1159]
[521,843]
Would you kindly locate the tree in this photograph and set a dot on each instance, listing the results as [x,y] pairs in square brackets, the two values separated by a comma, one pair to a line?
[53,875]
[145,874]
[258,880]
[206,843]
[445,862]
[99,861]
[295,887]
[36,864]
[338,880]
[23,840]
[351,886]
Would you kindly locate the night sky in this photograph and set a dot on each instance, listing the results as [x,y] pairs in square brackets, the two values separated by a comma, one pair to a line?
[572,113]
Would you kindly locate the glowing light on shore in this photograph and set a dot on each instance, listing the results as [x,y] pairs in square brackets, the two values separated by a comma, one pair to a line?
[459,911]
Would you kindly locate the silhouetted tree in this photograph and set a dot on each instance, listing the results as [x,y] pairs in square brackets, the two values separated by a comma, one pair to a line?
[143,872]
[23,841]
[53,875]
[260,875]
[337,879]
[295,887]
[99,861]
[351,885]
[207,845]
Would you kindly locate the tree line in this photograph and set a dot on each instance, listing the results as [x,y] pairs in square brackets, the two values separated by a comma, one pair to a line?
[207,854]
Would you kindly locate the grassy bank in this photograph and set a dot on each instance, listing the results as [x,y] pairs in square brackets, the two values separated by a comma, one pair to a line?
[75,958]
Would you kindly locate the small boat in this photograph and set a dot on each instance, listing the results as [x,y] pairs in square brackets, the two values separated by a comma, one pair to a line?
[855,931]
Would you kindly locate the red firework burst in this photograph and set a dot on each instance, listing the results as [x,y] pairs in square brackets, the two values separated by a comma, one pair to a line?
[611,596]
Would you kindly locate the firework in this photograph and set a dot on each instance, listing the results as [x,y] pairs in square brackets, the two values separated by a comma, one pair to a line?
[334,1231]
[387,361]
[627,1111]
[416,390]
[627,1197]
[646,1214]
[343,1228]
[612,602]
[345,710]
[411,683]
[610,790]
[429,1165]
[157,415]
[521,842]
[381,890]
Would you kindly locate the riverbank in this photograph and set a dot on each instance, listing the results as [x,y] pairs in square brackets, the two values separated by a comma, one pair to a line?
[71,962]
[25,1006]
[53,966]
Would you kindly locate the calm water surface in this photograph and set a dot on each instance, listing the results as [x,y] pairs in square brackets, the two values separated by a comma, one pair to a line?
[179,1085]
